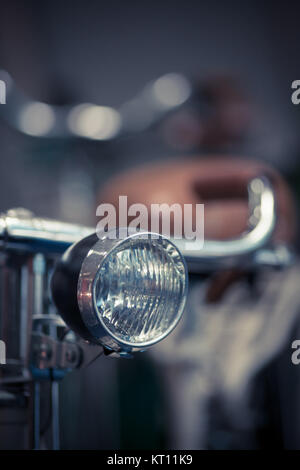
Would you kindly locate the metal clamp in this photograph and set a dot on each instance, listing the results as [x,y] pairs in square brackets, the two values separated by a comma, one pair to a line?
[48,353]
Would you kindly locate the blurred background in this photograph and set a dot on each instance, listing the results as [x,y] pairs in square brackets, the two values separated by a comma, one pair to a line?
[230,66]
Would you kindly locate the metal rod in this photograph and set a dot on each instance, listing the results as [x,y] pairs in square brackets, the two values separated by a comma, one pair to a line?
[36,415]
[55,415]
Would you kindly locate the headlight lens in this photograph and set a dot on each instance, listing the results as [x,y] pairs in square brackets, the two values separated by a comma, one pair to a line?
[139,290]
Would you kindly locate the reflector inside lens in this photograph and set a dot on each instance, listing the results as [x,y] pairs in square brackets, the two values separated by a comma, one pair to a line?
[140,290]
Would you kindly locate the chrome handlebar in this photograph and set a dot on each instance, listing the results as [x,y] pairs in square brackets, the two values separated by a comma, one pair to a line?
[19,228]
[157,99]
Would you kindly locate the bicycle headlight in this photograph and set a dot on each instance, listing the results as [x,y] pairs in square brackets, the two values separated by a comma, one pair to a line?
[126,294]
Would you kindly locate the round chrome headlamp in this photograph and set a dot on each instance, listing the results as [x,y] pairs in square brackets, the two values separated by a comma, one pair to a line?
[130,292]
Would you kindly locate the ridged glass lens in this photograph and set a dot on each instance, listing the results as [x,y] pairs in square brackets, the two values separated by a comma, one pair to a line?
[140,290]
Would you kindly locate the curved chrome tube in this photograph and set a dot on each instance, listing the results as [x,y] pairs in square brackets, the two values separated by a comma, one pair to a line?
[215,253]
[19,227]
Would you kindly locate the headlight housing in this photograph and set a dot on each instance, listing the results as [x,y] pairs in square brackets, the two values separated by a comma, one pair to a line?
[126,294]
